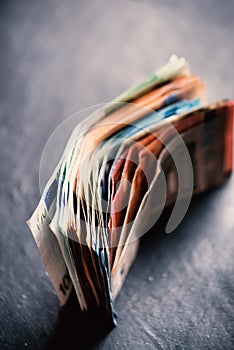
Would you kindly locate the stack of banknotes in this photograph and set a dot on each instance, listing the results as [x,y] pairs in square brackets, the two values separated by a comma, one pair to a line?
[153,146]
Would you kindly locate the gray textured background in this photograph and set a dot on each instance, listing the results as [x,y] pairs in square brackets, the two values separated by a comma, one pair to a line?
[57,57]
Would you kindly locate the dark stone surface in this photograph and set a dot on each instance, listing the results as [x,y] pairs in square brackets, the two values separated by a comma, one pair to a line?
[57,57]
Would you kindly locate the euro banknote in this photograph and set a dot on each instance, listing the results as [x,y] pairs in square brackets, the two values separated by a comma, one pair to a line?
[156,145]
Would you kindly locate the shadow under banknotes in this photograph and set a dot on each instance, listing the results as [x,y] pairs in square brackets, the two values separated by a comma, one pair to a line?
[78,329]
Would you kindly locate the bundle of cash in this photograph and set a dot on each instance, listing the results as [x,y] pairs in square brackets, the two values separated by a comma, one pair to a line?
[155,145]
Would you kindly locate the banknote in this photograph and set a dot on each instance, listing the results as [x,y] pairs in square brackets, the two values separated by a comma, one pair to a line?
[154,146]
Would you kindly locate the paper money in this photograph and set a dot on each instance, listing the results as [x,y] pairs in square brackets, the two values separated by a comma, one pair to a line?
[155,145]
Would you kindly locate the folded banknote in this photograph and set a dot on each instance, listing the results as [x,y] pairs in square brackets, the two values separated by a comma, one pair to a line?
[155,145]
